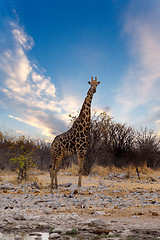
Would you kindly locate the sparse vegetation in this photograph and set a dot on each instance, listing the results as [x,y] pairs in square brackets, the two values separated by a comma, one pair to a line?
[16,152]
[23,162]
[111,145]
[114,144]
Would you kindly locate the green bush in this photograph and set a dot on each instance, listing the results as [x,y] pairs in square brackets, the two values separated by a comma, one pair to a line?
[23,162]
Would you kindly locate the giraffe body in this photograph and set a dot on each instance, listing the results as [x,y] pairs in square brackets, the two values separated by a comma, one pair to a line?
[75,140]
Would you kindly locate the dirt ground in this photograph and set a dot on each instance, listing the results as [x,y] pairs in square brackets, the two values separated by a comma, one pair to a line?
[128,206]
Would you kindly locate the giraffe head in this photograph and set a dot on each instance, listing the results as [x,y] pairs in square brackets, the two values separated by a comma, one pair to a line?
[93,84]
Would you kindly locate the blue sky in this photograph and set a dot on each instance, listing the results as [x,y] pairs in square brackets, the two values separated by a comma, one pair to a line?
[50,49]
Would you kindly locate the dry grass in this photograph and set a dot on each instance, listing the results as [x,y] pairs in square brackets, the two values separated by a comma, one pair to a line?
[130,171]
[104,171]
[145,172]
[98,173]
[73,170]
[11,177]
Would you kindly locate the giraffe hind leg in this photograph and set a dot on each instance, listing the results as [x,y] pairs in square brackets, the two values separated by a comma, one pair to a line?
[54,171]
[57,168]
[52,177]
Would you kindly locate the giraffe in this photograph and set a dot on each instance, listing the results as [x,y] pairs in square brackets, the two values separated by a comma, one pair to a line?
[75,140]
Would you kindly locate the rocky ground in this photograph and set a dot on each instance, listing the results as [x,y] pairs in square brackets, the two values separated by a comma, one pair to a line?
[113,207]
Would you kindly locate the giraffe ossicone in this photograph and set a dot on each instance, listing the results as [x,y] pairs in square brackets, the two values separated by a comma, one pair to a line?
[75,140]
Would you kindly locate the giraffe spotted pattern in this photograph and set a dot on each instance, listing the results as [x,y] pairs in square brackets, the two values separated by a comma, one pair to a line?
[75,140]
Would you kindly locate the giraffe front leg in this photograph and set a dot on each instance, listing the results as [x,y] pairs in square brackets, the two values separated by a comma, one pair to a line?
[52,178]
[80,168]
[56,181]
[79,178]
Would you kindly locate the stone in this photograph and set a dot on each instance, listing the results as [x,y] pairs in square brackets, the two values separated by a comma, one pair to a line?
[111,234]
[7,187]
[95,223]
[42,225]
[71,232]
[54,235]
[58,230]
[18,237]
[38,213]
[18,217]
[99,213]
[155,214]
[35,185]
[67,185]
[122,175]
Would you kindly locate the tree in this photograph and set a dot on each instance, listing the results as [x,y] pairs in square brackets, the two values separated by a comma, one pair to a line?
[119,141]
[22,152]
[99,125]
[147,149]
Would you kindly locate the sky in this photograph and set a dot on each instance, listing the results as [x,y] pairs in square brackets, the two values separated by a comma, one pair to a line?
[50,49]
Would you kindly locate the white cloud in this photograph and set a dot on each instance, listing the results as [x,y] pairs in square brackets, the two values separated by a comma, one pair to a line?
[36,77]
[21,37]
[140,83]
[33,121]
[140,87]
[16,118]
[30,94]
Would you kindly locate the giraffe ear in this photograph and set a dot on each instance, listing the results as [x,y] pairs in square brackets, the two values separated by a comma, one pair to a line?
[99,82]
[89,82]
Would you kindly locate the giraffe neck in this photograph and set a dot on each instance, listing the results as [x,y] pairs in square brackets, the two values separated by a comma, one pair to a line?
[86,107]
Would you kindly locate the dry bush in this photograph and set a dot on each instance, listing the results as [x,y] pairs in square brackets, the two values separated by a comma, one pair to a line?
[130,171]
[144,169]
[101,171]
[72,169]
[9,176]
[104,171]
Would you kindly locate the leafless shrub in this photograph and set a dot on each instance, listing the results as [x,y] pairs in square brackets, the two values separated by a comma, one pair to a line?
[115,144]
[99,125]
[147,149]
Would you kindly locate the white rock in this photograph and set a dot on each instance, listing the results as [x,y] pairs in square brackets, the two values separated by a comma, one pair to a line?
[17,237]
[99,213]
[18,216]
[57,230]
[54,235]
